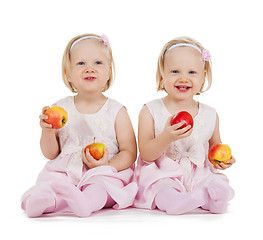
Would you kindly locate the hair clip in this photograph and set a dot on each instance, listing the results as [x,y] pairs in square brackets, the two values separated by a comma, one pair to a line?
[105,40]
[206,55]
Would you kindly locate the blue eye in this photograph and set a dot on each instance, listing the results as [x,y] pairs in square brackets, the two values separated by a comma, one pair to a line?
[80,63]
[98,62]
[175,71]
[192,72]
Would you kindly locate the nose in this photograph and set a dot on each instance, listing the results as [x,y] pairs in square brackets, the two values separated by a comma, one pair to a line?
[89,69]
[183,78]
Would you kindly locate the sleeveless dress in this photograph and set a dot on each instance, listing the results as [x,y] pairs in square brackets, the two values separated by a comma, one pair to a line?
[79,132]
[185,165]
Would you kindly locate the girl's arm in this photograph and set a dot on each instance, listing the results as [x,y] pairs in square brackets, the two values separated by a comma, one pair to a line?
[152,147]
[215,139]
[126,140]
[49,142]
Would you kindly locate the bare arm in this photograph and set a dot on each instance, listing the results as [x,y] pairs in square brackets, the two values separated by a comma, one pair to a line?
[215,139]
[152,147]
[49,142]
[127,146]
[127,142]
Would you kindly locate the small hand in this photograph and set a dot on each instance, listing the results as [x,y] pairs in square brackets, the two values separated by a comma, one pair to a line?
[175,132]
[91,162]
[223,166]
[43,117]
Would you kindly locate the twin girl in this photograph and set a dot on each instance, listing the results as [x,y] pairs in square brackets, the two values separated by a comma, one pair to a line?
[172,173]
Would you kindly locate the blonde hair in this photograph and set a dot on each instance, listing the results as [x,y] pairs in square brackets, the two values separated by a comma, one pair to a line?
[160,66]
[66,63]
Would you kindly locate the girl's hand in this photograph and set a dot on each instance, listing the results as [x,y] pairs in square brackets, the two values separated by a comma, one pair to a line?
[43,117]
[91,162]
[49,141]
[174,133]
[223,166]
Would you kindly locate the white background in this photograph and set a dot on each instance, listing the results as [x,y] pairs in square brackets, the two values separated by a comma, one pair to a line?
[33,37]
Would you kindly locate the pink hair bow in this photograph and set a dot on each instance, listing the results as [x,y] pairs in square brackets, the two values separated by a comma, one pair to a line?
[105,40]
[206,55]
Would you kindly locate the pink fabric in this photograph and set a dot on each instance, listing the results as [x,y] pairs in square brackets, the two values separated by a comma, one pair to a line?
[174,202]
[214,198]
[65,182]
[82,203]
[206,55]
[184,170]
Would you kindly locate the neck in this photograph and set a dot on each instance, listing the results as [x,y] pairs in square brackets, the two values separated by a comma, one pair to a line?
[89,103]
[90,97]
[174,105]
[183,104]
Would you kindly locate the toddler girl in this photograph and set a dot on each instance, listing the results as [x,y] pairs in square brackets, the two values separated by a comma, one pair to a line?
[73,181]
[173,171]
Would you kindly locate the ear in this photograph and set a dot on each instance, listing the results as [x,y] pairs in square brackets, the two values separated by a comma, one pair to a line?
[69,77]
[161,85]
[200,91]
[204,74]
[110,72]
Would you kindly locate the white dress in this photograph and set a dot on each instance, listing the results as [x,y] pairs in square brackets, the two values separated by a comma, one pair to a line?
[185,165]
[78,132]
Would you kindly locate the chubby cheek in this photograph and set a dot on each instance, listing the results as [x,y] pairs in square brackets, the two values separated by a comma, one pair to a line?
[105,73]
[200,84]
[168,82]
[74,74]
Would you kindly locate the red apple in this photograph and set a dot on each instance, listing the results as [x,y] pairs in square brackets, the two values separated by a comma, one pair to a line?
[57,117]
[219,153]
[183,116]
[96,150]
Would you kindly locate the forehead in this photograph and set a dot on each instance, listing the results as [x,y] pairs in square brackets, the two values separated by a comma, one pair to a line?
[89,48]
[183,56]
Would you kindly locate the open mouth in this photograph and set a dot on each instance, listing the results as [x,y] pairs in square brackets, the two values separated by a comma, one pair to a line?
[90,78]
[182,88]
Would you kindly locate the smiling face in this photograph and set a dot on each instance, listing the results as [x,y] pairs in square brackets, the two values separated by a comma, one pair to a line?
[183,74]
[90,66]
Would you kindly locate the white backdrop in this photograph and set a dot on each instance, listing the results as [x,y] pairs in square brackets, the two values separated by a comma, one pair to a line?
[33,37]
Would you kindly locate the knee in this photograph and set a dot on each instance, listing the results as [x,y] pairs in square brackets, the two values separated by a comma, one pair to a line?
[220,190]
[219,194]
[96,190]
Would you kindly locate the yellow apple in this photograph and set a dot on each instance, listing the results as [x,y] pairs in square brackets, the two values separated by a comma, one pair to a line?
[57,117]
[96,150]
[219,153]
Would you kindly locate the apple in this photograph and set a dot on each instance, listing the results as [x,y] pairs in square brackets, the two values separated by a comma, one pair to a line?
[219,153]
[96,150]
[57,117]
[183,116]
